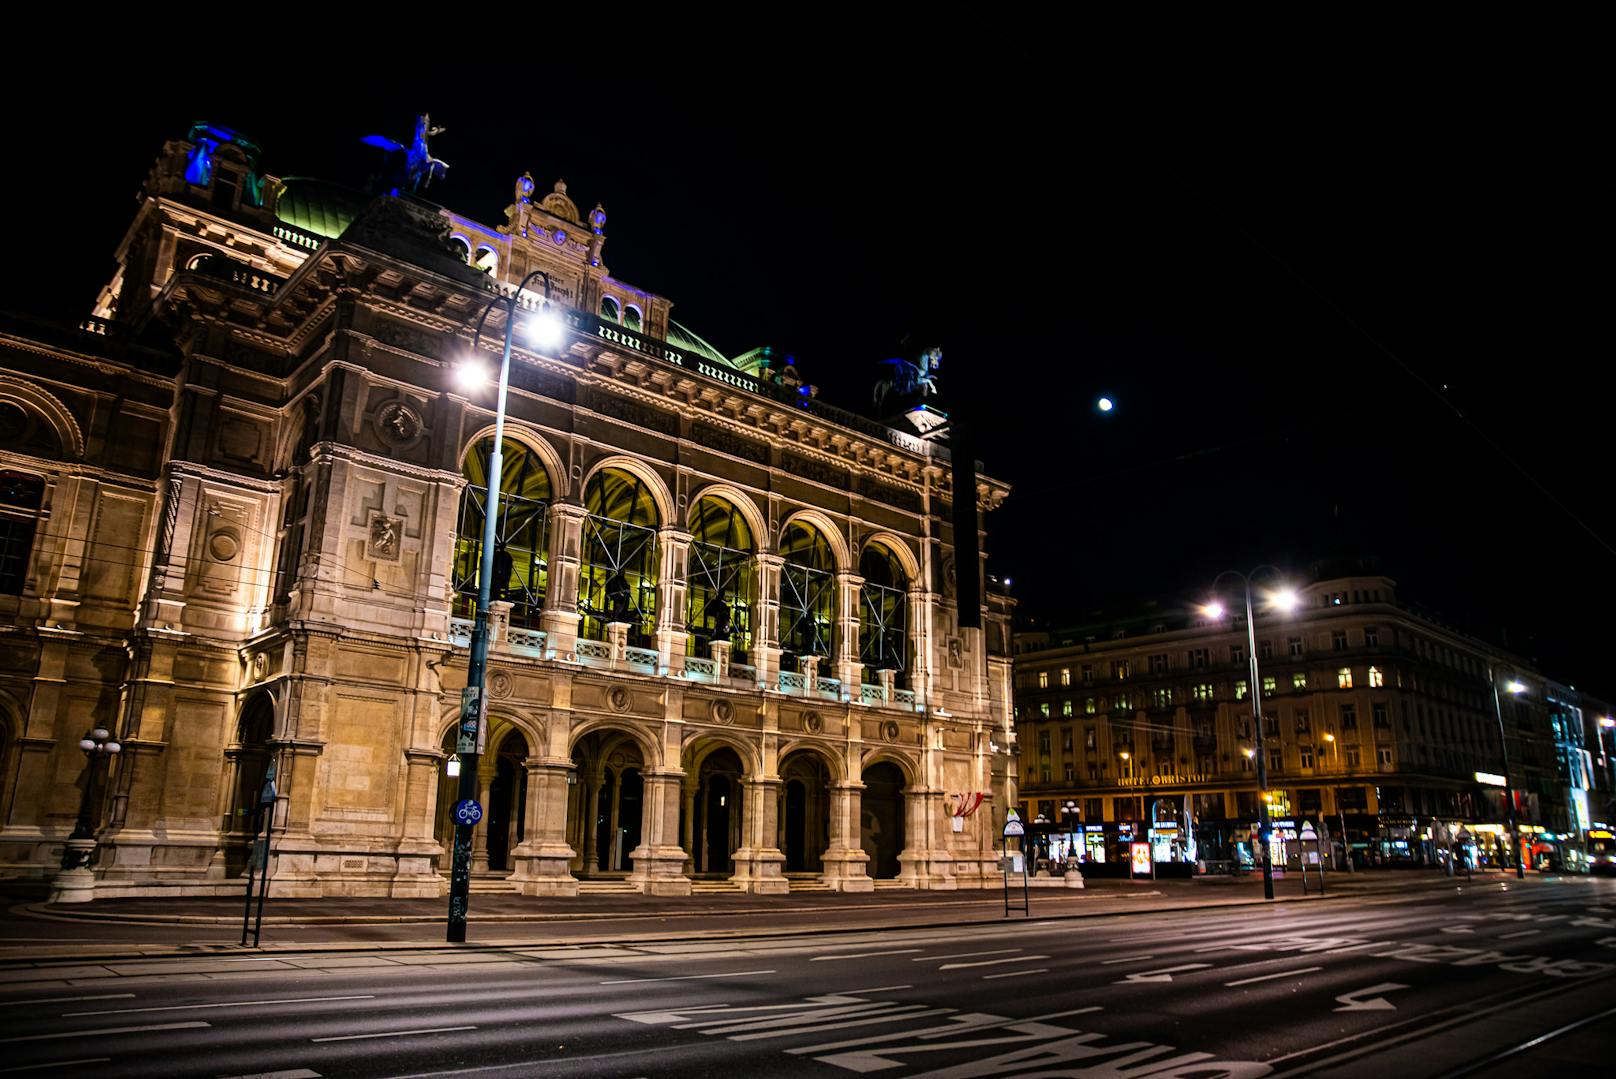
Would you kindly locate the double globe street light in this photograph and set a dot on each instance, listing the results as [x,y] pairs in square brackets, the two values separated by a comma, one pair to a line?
[543,330]
[1283,600]
[76,882]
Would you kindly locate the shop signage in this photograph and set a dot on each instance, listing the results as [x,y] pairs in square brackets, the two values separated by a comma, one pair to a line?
[1164,779]
[1141,857]
[1492,779]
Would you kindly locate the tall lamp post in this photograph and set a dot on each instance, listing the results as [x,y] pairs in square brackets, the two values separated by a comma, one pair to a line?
[1283,599]
[76,882]
[1069,811]
[1515,689]
[545,330]
[1340,812]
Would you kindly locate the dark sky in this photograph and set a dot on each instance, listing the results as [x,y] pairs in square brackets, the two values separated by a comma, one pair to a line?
[1259,239]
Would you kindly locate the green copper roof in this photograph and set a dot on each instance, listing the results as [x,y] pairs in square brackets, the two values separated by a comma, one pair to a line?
[684,337]
[318,206]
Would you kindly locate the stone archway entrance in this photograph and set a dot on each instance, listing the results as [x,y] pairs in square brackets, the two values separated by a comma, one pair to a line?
[507,801]
[248,758]
[881,819]
[713,832]
[805,798]
[606,808]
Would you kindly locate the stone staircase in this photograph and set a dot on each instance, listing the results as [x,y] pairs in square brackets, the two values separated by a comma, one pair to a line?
[714,887]
[606,887]
[492,886]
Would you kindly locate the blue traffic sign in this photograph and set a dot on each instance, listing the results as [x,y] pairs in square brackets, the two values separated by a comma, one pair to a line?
[468,811]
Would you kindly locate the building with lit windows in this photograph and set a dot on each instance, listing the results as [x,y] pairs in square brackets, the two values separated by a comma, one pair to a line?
[240,522]
[1378,717]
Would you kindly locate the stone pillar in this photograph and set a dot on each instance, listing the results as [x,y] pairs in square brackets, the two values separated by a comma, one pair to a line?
[673,549]
[886,678]
[758,862]
[846,863]
[847,661]
[292,865]
[417,849]
[542,862]
[922,672]
[559,619]
[720,653]
[479,835]
[766,621]
[924,861]
[659,860]
[499,624]
[617,641]
[809,665]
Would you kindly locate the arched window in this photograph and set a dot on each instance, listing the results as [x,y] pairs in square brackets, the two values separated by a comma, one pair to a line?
[617,581]
[632,319]
[520,569]
[807,593]
[722,578]
[460,248]
[20,498]
[487,260]
[884,613]
[609,310]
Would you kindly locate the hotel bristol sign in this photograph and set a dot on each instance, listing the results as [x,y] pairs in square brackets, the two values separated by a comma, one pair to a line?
[1164,779]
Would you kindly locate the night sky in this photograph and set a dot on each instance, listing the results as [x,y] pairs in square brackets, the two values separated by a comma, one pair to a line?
[1343,285]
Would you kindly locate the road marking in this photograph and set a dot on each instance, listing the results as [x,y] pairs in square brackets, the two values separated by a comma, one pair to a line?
[1271,977]
[992,962]
[229,1004]
[295,1073]
[962,1024]
[964,955]
[1015,974]
[862,955]
[686,977]
[63,1000]
[1457,929]
[1375,1004]
[1165,974]
[105,1030]
[57,1064]
[1522,933]
[1125,959]
[876,989]
[390,1034]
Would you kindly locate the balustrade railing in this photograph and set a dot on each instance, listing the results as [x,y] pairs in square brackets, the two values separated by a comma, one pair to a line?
[791,682]
[702,670]
[741,672]
[641,657]
[594,653]
[872,695]
[829,687]
[527,641]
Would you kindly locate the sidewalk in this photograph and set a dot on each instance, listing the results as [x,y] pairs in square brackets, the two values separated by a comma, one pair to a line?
[34,932]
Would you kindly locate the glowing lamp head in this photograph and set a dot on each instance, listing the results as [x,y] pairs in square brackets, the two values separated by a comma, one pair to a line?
[1516,687]
[451,767]
[1249,752]
[1125,755]
[1105,404]
[471,374]
[1285,600]
[1212,610]
[544,328]
[1607,722]
[1328,737]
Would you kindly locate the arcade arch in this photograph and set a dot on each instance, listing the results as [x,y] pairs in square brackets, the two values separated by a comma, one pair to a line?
[617,581]
[521,568]
[721,578]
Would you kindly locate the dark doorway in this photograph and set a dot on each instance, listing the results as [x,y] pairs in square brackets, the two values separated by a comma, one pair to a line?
[718,813]
[881,820]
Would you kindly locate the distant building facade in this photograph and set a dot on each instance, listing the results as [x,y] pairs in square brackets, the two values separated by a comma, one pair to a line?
[1376,716]
[240,522]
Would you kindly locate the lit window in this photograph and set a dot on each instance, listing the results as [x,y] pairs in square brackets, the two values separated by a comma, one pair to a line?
[1119,669]
[1268,685]
[1343,678]
[1240,690]
[1066,676]
[1376,678]
[609,310]
[1043,679]
[632,320]
[1122,703]
[1164,698]
[1066,708]
[1299,680]
[1203,691]
[1043,709]
[1088,706]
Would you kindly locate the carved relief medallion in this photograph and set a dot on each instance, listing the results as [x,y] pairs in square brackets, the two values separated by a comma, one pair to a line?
[890,730]
[722,711]
[398,424]
[500,684]
[956,653]
[813,722]
[618,699]
[383,537]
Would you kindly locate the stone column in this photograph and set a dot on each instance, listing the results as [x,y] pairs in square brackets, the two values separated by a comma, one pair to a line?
[925,861]
[673,548]
[720,653]
[559,619]
[486,766]
[847,662]
[920,657]
[542,862]
[809,665]
[846,863]
[292,865]
[417,849]
[617,641]
[688,792]
[758,862]
[659,860]
[499,625]
[766,621]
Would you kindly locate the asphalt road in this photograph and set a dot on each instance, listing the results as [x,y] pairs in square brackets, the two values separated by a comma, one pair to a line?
[1430,983]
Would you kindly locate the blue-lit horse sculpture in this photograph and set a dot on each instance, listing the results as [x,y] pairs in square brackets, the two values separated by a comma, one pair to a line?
[909,378]
[420,167]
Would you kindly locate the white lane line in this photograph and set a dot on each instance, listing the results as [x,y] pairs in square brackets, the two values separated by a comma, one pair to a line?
[390,1034]
[964,955]
[57,1064]
[1015,974]
[105,1030]
[1522,933]
[228,1004]
[295,1073]
[875,989]
[992,962]
[686,977]
[863,955]
[1271,977]
[63,1000]
[1125,959]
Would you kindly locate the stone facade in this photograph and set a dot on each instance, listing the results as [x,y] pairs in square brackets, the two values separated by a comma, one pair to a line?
[238,508]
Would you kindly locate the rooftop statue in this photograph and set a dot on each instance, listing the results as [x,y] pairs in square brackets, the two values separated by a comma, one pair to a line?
[420,167]
[915,378]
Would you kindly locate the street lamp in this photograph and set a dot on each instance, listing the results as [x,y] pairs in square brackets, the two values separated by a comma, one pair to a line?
[1515,688]
[543,330]
[1070,811]
[76,882]
[1281,599]
[1340,812]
